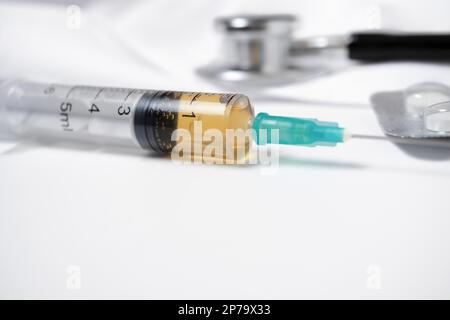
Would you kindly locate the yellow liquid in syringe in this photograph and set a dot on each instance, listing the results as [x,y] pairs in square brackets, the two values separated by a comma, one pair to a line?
[218,125]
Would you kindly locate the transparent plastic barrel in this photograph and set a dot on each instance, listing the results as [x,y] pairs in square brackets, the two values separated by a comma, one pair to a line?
[149,119]
[49,112]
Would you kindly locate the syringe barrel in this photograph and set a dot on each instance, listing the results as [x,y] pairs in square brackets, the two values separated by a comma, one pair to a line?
[115,116]
[53,112]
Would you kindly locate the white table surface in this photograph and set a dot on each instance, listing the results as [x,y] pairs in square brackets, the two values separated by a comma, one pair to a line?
[363,220]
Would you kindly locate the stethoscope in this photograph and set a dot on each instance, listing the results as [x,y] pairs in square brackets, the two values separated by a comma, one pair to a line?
[260,50]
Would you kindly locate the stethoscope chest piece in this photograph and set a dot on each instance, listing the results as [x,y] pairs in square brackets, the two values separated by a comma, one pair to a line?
[255,51]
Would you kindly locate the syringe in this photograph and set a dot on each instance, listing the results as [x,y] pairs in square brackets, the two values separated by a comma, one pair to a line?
[148,119]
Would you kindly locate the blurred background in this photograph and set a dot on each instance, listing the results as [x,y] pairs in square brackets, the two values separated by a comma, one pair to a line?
[364,220]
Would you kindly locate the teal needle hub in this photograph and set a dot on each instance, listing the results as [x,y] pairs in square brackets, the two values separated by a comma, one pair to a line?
[297,131]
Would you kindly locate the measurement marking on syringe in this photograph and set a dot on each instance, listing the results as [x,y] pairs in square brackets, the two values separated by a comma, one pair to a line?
[192,115]
[65,109]
[232,96]
[70,91]
[98,93]
[129,94]
[195,97]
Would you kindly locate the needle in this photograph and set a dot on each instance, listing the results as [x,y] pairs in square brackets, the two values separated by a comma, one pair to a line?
[429,142]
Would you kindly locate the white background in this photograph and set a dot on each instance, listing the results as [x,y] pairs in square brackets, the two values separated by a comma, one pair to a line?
[363,220]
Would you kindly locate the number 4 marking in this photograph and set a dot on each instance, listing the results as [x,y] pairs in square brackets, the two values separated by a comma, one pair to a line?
[94,108]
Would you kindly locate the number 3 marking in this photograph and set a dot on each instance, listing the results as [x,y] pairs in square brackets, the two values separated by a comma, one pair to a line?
[123,111]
